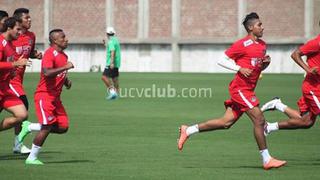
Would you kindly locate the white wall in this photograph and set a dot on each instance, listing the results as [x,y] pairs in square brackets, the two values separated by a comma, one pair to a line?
[157,58]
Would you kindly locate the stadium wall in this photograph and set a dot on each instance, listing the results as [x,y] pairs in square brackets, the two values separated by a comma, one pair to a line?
[170,35]
[157,58]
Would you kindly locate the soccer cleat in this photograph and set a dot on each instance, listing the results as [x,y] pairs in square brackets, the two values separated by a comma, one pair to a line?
[25,150]
[34,162]
[183,136]
[266,131]
[24,131]
[112,96]
[21,149]
[271,105]
[274,163]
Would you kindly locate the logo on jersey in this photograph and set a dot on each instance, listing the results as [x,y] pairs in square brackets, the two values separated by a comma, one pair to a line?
[25,50]
[19,50]
[55,53]
[4,43]
[256,62]
[50,118]
[247,42]
[253,99]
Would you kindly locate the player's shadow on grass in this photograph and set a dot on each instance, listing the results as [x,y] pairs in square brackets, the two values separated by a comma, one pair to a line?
[70,161]
[305,162]
[12,156]
[225,167]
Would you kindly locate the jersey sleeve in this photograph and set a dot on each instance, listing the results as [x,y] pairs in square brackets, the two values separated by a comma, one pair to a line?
[47,60]
[310,47]
[4,65]
[235,51]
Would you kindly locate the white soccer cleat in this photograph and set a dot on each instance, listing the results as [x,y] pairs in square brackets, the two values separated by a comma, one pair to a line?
[21,149]
[266,131]
[271,105]
[112,96]
[25,150]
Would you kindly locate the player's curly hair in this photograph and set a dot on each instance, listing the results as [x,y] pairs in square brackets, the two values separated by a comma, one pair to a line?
[248,20]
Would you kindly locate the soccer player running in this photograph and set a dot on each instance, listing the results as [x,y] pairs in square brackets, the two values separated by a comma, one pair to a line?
[8,100]
[113,64]
[49,109]
[248,58]
[309,103]
[24,46]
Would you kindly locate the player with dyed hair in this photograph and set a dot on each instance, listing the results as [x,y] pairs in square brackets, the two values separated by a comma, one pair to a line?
[247,57]
[49,109]
[24,46]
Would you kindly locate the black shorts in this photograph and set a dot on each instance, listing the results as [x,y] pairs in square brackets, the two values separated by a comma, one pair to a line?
[112,73]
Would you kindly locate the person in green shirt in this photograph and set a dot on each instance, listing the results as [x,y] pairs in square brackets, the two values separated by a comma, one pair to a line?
[111,70]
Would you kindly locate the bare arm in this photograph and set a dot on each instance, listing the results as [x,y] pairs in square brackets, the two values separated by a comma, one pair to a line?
[112,59]
[36,54]
[265,62]
[50,72]
[19,63]
[68,83]
[296,56]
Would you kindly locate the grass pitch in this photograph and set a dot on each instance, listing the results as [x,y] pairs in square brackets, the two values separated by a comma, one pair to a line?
[135,138]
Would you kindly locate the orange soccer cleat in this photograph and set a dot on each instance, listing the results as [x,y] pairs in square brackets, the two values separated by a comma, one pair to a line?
[274,163]
[183,136]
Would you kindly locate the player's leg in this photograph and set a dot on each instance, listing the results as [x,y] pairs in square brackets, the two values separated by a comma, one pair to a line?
[38,142]
[224,122]
[107,74]
[26,126]
[62,124]
[18,146]
[44,108]
[306,121]
[115,81]
[106,81]
[19,113]
[277,104]
[258,121]
[24,99]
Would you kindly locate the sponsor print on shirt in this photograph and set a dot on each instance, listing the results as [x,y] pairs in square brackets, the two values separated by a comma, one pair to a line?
[25,50]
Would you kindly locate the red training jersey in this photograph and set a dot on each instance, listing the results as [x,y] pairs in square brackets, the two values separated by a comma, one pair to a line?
[52,86]
[24,45]
[247,53]
[6,59]
[312,50]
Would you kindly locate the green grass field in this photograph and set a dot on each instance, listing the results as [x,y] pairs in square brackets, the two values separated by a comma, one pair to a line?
[135,138]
